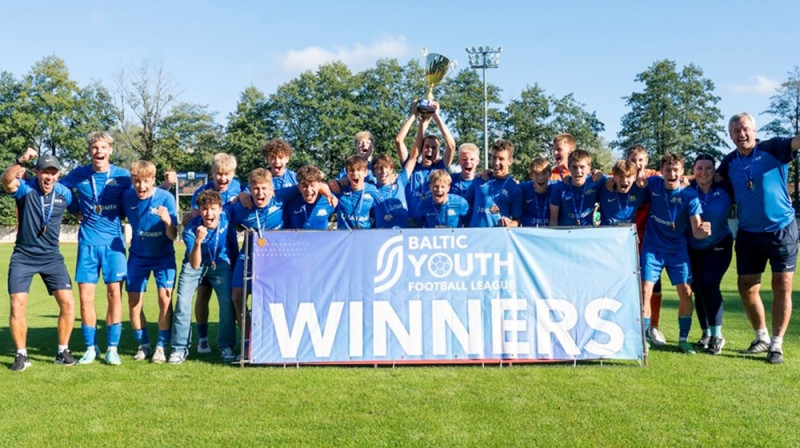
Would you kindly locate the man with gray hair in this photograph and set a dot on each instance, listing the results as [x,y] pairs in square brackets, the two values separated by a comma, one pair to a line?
[767,228]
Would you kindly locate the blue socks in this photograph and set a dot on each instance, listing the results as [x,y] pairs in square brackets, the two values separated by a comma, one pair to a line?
[89,335]
[114,333]
[164,336]
[684,326]
[646,325]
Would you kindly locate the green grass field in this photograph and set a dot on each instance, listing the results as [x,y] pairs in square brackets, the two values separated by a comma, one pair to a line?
[679,400]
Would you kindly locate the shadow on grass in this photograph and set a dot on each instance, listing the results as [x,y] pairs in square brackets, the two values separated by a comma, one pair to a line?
[42,342]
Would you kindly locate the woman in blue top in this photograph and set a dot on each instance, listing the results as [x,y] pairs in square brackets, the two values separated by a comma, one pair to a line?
[710,257]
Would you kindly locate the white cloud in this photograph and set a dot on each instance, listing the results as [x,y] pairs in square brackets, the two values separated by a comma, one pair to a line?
[759,84]
[357,57]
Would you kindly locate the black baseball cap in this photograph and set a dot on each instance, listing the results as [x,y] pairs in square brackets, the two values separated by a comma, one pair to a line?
[48,161]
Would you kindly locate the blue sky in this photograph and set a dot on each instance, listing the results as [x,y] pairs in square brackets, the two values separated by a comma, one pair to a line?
[594,49]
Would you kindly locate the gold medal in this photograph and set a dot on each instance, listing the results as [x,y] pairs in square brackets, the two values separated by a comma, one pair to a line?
[494,209]
[213,265]
[262,242]
[98,208]
[44,230]
[749,184]
[673,226]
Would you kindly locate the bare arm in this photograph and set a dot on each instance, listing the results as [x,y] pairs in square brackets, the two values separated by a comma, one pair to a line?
[325,191]
[196,255]
[400,138]
[796,142]
[421,130]
[700,230]
[449,141]
[13,173]
[411,161]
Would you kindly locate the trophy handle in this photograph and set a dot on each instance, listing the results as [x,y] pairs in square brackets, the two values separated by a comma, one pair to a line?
[452,68]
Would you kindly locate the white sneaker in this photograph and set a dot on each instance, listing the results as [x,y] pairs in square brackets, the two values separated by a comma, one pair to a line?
[177,356]
[89,356]
[203,348]
[159,357]
[143,353]
[656,336]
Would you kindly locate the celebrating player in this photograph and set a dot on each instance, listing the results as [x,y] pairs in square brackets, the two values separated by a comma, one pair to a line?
[41,203]
[153,218]
[767,227]
[672,208]
[101,246]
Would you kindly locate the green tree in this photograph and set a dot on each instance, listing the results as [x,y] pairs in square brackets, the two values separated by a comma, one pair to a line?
[188,138]
[675,112]
[527,126]
[384,94]
[315,115]
[51,112]
[534,119]
[462,105]
[784,106]
[249,128]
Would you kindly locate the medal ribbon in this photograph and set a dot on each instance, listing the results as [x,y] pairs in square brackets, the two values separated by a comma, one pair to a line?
[748,169]
[352,215]
[703,199]
[258,222]
[46,220]
[578,216]
[674,214]
[540,211]
[212,255]
[98,198]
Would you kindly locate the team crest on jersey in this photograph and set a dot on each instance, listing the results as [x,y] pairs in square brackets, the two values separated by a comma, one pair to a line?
[451,212]
[589,191]
[505,192]
[677,199]
[367,196]
[322,212]
[112,182]
[273,209]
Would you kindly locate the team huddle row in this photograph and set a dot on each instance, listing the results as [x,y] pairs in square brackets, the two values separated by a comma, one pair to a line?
[679,222]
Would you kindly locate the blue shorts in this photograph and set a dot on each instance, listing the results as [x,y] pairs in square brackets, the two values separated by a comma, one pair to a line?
[238,275]
[52,269]
[91,259]
[139,270]
[753,249]
[676,263]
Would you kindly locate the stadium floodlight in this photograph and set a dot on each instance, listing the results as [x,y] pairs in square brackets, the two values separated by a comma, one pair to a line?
[483,58]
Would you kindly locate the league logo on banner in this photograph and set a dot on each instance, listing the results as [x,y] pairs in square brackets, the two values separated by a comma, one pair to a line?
[446,295]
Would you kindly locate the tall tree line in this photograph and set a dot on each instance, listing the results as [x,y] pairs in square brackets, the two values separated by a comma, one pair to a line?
[320,111]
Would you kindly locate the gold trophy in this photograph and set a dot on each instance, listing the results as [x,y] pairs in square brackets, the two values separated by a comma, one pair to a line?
[436,68]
